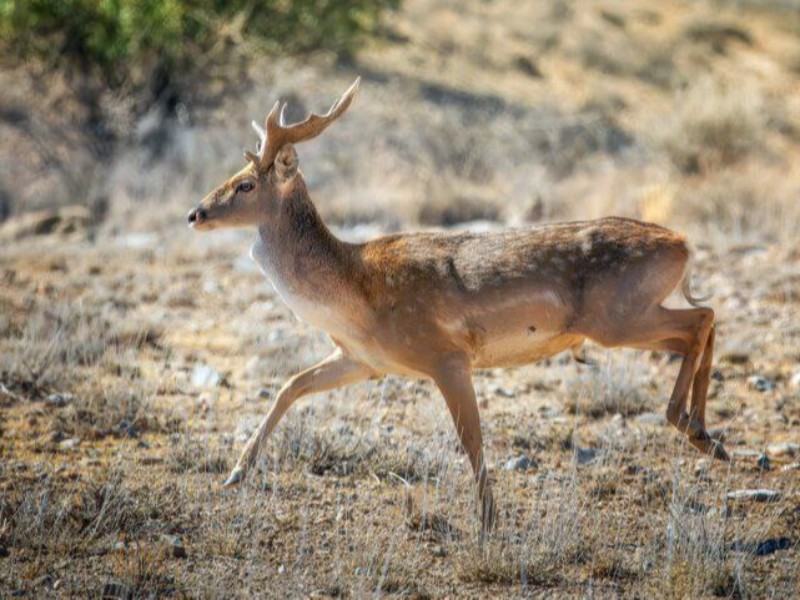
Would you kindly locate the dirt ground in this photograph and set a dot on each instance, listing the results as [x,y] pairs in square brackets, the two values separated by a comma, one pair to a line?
[136,356]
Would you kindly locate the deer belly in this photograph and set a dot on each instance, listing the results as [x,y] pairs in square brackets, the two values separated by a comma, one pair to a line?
[522,332]
[521,348]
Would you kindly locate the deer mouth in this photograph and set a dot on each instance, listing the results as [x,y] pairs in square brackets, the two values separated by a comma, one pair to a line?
[197,217]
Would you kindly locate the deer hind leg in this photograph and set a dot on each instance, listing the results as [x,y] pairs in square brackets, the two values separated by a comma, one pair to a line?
[697,410]
[687,332]
[335,371]
[454,380]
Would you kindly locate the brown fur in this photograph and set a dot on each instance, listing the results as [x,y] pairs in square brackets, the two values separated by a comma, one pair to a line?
[439,305]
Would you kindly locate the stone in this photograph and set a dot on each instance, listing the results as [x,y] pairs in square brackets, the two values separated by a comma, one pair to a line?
[206,376]
[760,495]
[585,456]
[116,591]
[174,546]
[655,419]
[67,219]
[520,463]
[784,449]
[746,453]
[499,390]
[791,467]
[795,380]
[58,400]
[764,548]
[761,383]
[70,443]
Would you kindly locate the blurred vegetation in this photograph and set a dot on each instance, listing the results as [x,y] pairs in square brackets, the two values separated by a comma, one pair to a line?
[129,43]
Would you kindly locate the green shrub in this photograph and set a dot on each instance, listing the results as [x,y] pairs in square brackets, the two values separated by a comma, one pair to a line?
[127,38]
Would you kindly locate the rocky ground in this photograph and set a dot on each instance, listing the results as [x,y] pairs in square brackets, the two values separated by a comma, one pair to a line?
[135,368]
[136,357]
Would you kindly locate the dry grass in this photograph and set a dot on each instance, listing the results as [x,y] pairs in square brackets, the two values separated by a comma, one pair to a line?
[111,458]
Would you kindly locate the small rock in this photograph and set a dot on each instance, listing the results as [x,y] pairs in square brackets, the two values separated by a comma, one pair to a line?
[745,453]
[784,449]
[439,551]
[126,429]
[116,591]
[499,390]
[58,400]
[520,463]
[795,380]
[264,393]
[761,384]
[585,456]
[791,467]
[764,548]
[701,468]
[656,419]
[70,443]
[736,357]
[206,376]
[762,495]
[175,546]
[767,547]
[763,463]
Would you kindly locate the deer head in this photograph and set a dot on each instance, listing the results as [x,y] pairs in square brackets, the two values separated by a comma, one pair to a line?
[244,198]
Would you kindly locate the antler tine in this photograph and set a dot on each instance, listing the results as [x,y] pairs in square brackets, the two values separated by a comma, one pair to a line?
[279,134]
[262,135]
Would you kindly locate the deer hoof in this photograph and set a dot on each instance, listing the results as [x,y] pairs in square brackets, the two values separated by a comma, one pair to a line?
[236,477]
[719,451]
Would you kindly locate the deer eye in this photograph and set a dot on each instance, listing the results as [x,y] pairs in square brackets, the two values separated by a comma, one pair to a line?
[245,186]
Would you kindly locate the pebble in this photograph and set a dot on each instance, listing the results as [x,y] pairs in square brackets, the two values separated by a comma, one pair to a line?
[499,390]
[520,463]
[761,383]
[656,419]
[585,456]
[206,376]
[746,453]
[795,380]
[70,443]
[174,545]
[764,548]
[762,495]
[784,449]
[791,467]
[115,590]
[59,400]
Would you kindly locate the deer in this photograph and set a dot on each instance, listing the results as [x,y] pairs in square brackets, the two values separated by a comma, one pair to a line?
[439,305]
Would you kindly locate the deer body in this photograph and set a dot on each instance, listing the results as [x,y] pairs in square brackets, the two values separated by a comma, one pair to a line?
[439,305]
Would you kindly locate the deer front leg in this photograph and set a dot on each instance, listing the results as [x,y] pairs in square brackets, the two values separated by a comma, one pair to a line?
[454,380]
[333,372]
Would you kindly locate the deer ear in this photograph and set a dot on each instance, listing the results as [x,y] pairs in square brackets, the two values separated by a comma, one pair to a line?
[286,162]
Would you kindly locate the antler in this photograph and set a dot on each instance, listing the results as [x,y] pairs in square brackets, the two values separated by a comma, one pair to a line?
[277,134]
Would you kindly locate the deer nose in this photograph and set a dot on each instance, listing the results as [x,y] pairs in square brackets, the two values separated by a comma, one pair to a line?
[196,215]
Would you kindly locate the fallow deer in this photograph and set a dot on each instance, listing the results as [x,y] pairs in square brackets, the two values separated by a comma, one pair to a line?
[438,305]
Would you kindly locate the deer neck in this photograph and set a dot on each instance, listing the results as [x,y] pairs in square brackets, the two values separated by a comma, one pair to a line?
[297,251]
